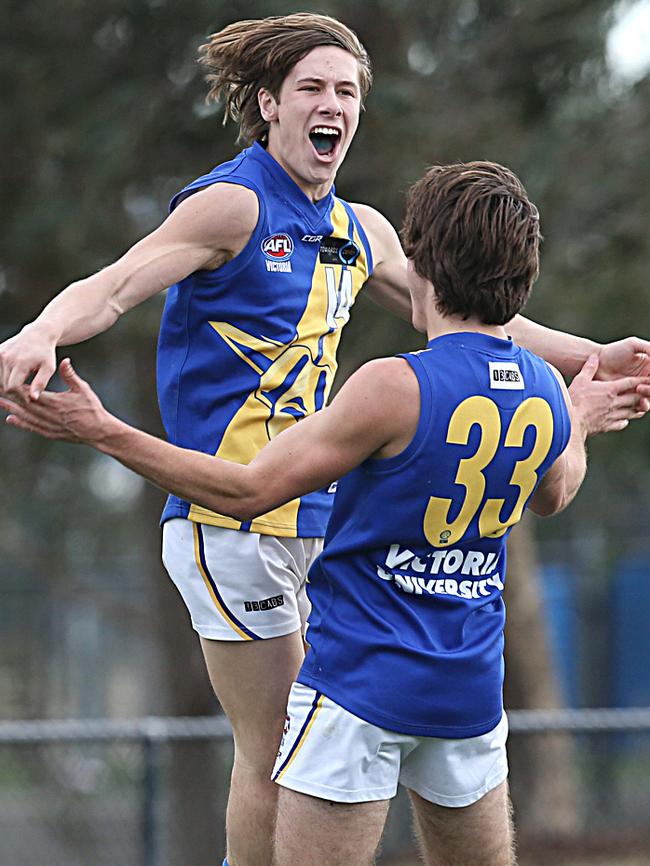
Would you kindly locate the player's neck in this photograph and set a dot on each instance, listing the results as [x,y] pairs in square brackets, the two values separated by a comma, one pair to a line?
[315,190]
[438,325]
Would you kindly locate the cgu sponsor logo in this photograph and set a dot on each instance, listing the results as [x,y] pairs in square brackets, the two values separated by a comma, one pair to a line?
[505,376]
[411,573]
[277,248]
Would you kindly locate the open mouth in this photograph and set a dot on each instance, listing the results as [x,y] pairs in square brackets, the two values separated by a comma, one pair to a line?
[325,139]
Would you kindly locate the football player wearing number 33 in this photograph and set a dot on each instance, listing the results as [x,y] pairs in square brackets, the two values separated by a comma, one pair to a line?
[264,262]
[439,452]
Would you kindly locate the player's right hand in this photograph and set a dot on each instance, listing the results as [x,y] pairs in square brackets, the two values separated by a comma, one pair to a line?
[601,406]
[27,353]
[74,415]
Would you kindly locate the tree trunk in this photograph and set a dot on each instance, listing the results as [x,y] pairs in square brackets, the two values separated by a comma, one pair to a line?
[543,767]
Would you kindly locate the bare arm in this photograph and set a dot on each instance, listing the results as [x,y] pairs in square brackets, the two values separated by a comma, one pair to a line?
[387,286]
[567,352]
[204,231]
[564,351]
[562,481]
[594,407]
[317,450]
[314,452]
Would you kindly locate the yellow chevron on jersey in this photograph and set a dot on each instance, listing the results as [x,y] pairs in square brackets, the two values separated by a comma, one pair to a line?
[294,378]
[249,348]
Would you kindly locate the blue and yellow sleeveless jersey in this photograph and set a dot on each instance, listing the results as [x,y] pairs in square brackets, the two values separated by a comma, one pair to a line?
[248,349]
[406,630]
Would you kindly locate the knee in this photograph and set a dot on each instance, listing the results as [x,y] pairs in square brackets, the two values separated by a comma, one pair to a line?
[256,750]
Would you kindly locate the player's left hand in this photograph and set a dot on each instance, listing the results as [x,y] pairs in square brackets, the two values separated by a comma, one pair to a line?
[75,415]
[628,357]
[603,406]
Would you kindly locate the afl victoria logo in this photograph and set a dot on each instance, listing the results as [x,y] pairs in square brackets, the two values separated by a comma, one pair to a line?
[277,248]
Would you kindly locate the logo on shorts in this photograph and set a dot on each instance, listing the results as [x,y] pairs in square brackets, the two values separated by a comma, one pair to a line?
[285,733]
[264,604]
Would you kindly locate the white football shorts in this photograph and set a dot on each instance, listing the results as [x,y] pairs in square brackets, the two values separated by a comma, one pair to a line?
[330,753]
[239,585]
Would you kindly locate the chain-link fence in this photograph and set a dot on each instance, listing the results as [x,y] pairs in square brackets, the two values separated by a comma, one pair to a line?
[152,792]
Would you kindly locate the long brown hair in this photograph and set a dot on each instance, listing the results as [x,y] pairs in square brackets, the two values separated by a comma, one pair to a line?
[471,230]
[249,55]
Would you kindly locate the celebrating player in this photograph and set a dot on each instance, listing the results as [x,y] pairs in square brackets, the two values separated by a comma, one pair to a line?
[439,453]
[264,262]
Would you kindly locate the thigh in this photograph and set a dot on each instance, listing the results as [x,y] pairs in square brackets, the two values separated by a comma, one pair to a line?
[252,681]
[330,753]
[316,832]
[307,553]
[457,772]
[480,834]
[237,586]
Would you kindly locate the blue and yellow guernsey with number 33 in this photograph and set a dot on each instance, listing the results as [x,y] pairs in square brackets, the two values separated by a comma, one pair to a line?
[406,630]
[250,348]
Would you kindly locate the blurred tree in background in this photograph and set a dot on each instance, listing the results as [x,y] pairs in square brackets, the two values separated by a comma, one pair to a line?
[104,119]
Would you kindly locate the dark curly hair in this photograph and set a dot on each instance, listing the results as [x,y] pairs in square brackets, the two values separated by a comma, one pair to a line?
[471,230]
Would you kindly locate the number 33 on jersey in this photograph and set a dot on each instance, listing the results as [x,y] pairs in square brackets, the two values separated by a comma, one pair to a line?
[534,416]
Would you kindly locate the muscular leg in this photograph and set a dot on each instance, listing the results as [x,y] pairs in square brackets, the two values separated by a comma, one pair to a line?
[480,834]
[315,832]
[252,680]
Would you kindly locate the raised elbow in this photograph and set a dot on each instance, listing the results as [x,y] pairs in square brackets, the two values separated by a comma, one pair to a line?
[548,503]
[245,509]
[549,509]
[239,509]
[244,504]
[239,491]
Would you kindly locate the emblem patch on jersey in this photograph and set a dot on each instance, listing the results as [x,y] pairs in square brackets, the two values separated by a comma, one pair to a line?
[339,251]
[277,250]
[506,376]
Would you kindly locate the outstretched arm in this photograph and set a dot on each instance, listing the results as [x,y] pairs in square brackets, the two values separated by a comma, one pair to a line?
[594,407]
[558,487]
[567,352]
[387,285]
[314,452]
[203,231]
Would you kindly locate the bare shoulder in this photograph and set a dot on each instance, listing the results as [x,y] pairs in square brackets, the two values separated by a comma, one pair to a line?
[224,203]
[391,399]
[221,217]
[370,216]
[382,236]
[230,195]
[391,372]
[385,385]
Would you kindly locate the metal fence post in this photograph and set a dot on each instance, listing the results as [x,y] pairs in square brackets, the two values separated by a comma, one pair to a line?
[152,741]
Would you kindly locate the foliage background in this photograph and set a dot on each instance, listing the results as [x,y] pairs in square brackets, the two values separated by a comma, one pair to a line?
[104,119]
